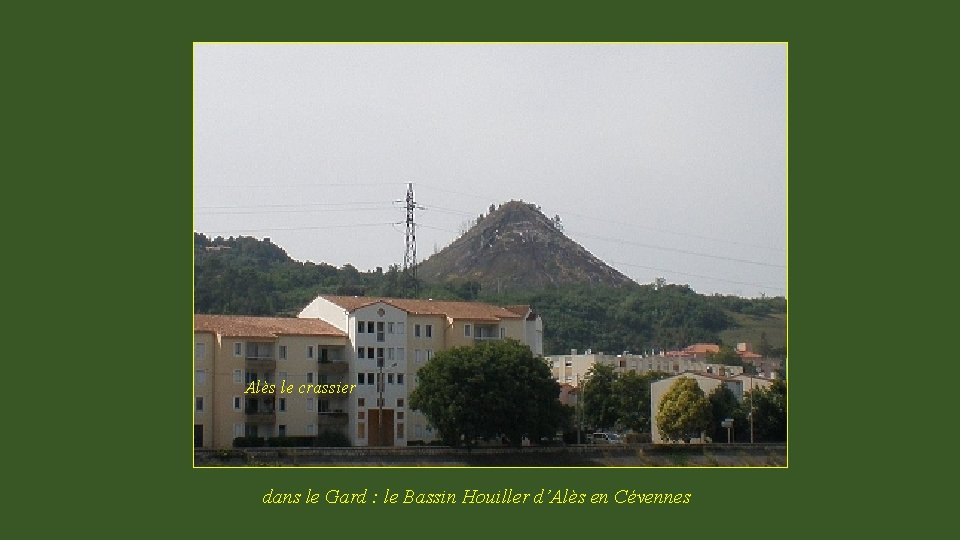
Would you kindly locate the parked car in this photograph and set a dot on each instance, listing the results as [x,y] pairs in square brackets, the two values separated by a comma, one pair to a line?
[602,437]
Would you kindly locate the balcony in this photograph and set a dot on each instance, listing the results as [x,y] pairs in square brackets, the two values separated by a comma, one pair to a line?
[486,332]
[261,363]
[261,416]
[332,368]
[332,419]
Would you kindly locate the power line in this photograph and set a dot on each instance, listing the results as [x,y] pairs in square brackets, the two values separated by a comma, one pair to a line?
[237,231]
[289,205]
[595,218]
[668,271]
[293,211]
[677,250]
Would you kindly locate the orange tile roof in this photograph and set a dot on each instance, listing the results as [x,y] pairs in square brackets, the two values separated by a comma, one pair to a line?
[451,309]
[703,348]
[263,327]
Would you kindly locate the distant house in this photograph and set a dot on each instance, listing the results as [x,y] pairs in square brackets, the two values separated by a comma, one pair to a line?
[708,383]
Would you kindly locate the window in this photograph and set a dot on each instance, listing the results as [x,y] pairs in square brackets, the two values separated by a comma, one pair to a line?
[380,336]
[369,327]
[418,355]
[200,377]
[199,351]
[359,378]
[380,357]
[568,363]
[416,330]
[389,378]
[251,377]
[361,432]
[311,405]
[390,354]
[238,349]
[361,415]
[199,403]
[310,377]
[309,351]
[401,328]
[282,430]
[361,402]
[238,376]
[236,403]
[401,356]
[360,351]
[369,352]
[360,327]
[400,402]
[283,404]
[399,415]
[399,431]
[283,376]
[238,430]
[322,379]
[389,327]
[323,405]
[429,331]
[283,352]
[623,363]
[466,330]
[370,379]
[311,429]
[503,332]
[399,378]
[429,353]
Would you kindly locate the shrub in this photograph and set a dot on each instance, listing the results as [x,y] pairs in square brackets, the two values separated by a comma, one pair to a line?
[245,442]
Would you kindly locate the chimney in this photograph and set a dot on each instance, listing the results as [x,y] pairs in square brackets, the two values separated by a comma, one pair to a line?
[573,352]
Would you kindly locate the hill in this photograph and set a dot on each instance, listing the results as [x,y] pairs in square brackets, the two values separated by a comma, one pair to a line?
[246,276]
[517,248]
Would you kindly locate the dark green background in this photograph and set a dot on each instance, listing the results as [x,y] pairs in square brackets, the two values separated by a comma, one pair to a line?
[98,108]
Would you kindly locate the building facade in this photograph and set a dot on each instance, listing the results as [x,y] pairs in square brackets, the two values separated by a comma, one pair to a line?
[231,352]
[572,368]
[390,339]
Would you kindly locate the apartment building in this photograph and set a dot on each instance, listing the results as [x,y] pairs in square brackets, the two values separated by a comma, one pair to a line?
[390,339]
[572,368]
[231,352]
[373,346]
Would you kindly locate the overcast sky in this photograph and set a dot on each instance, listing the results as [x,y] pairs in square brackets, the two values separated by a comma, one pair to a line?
[662,160]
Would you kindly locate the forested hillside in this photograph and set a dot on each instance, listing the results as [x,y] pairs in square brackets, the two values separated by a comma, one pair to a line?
[246,276]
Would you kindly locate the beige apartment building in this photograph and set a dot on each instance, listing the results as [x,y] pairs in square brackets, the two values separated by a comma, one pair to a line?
[572,368]
[230,352]
[374,346]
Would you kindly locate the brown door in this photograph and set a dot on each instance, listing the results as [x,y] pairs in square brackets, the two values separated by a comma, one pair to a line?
[374,424]
[198,435]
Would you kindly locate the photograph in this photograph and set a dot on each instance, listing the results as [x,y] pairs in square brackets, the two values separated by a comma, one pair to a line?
[490,254]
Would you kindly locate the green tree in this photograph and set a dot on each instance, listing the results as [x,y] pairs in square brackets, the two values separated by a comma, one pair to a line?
[632,396]
[727,356]
[493,389]
[600,406]
[684,411]
[723,405]
[769,407]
